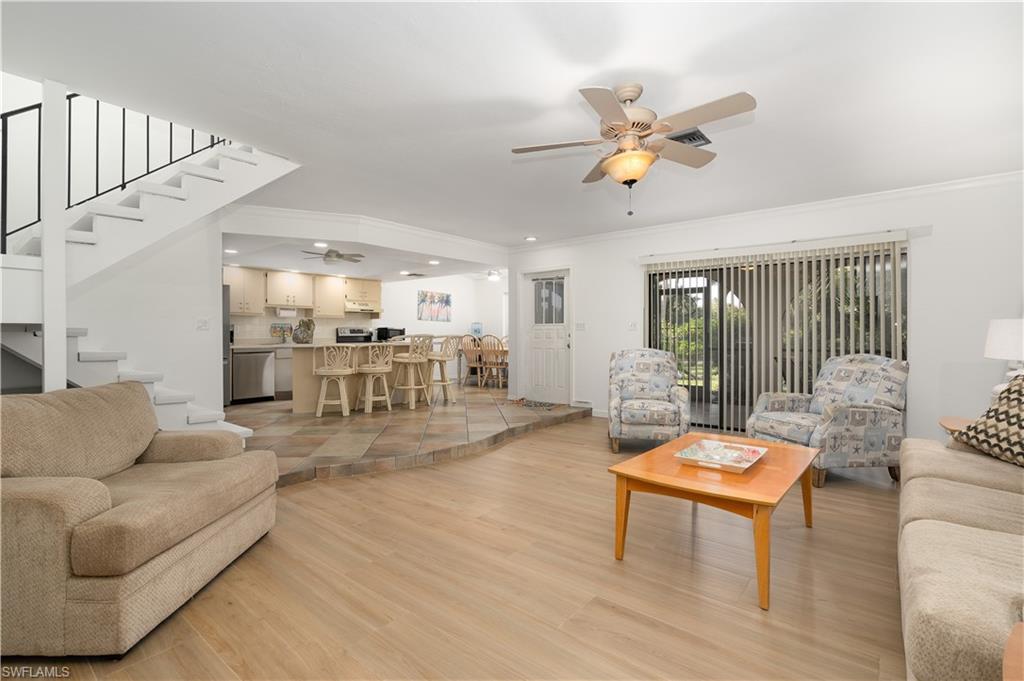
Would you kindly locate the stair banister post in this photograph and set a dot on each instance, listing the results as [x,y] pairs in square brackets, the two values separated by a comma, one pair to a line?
[52,194]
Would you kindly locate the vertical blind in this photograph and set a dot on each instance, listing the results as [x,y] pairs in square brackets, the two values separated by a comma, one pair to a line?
[743,325]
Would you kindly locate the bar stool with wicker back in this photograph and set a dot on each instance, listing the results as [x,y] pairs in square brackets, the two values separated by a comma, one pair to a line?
[338,366]
[448,351]
[380,357]
[411,375]
[471,351]
[493,355]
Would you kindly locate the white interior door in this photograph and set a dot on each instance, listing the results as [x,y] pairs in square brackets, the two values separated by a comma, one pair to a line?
[549,350]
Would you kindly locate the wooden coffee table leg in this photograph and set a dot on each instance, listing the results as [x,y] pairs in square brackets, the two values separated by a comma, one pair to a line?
[763,552]
[805,487]
[621,515]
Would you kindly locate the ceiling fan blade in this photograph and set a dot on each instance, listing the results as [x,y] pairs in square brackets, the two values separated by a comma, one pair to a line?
[595,174]
[681,153]
[312,253]
[741,102]
[557,145]
[353,255]
[606,104]
[314,257]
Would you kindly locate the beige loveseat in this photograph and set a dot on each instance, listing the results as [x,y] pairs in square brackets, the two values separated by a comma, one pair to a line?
[109,525]
[961,560]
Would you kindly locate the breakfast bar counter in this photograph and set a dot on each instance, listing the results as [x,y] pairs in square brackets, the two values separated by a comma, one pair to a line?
[306,384]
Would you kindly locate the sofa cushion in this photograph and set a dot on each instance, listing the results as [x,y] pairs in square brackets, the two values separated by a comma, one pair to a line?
[929,459]
[961,595]
[1000,430]
[156,505]
[82,432]
[963,504]
[649,412]
[790,426]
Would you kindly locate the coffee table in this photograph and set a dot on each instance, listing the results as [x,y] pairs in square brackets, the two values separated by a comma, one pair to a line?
[753,494]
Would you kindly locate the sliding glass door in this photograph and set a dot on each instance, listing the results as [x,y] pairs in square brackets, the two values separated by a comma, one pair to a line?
[741,326]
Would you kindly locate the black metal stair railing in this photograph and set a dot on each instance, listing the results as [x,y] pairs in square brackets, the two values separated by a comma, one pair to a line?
[99,188]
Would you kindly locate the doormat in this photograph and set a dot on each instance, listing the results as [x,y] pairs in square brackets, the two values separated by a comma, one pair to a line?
[533,404]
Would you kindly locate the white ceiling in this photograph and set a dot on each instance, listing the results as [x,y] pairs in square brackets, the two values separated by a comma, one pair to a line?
[380,263]
[407,112]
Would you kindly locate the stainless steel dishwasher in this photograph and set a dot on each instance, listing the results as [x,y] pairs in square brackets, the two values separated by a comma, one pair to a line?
[252,374]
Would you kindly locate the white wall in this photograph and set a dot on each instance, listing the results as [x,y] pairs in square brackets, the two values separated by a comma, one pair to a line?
[966,271]
[152,305]
[470,303]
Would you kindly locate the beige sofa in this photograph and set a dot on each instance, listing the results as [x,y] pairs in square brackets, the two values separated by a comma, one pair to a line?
[961,560]
[109,525]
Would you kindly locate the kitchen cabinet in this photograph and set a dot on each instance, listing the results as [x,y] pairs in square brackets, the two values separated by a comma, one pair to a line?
[328,296]
[289,289]
[246,290]
[362,295]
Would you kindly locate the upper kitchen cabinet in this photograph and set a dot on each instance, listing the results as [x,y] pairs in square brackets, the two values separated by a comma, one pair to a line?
[328,297]
[247,292]
[362,295]
[289,289]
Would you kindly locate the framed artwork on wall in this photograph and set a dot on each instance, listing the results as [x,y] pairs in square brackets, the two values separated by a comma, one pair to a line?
[433,306]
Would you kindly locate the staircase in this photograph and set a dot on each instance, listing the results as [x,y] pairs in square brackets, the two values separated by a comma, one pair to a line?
[174,408]
[102,236]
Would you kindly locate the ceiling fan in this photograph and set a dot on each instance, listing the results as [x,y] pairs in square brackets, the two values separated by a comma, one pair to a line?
[333,256]
[632,127]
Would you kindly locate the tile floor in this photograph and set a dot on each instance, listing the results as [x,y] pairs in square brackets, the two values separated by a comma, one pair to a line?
[334,445]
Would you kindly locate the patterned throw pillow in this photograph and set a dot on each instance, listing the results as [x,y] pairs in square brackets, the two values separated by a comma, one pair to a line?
[1000,430]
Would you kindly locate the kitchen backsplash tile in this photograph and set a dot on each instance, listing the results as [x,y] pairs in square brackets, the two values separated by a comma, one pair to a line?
[258,328]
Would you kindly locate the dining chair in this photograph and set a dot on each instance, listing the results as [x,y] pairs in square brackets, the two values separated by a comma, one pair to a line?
[471,351]
[337,367]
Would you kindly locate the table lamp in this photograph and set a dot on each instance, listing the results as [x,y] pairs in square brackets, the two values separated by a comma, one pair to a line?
[1005,340]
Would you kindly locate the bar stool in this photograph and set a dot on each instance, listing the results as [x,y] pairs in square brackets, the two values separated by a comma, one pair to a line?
[378,367]
[471,351]
[411,376]
[494,359]
[449,350]
[337,367]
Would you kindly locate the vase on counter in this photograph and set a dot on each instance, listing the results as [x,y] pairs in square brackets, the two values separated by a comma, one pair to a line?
[303,333]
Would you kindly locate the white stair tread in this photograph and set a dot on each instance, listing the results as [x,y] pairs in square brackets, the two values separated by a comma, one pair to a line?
[200,171]
[140,376]
[113,210]
[72,332]
[101,356]
[197,414]
[162,395]
[162,190]
[236,154]
[73,236]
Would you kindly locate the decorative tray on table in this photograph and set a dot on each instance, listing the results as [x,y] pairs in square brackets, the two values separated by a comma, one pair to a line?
[724,456]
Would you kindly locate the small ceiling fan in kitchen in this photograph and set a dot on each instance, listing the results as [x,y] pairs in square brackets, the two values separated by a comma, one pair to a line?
[332,256]
[635,129]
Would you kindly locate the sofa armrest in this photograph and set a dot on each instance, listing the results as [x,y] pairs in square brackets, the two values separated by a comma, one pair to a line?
[37,516]
[178,446]
[795,402]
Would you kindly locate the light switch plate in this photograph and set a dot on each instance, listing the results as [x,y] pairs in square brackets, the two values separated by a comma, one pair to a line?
[581,326]
[203,324]
[632,326]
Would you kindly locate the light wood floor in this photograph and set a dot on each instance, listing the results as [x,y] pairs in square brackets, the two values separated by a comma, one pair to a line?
[500,567]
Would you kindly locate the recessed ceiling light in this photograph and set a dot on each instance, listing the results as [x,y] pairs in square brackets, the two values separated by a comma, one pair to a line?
[319,244]
[404,273]
[230,251]
[294,271]
[493,276]
[530,238]
[433,262]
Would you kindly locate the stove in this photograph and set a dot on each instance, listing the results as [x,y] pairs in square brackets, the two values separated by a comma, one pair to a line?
[347,334]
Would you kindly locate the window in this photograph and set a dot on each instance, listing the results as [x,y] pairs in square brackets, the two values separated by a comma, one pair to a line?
[745,325]
[549,300]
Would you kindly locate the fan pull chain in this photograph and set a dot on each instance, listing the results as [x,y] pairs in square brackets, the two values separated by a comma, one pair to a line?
[630,211]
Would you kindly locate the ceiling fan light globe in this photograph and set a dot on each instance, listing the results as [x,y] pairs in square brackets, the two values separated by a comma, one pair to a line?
[629,166]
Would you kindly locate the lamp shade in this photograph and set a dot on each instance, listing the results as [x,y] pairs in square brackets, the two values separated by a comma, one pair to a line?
[1005,339]
[628,166]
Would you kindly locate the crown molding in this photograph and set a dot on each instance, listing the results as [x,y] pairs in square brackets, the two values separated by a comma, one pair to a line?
[1012,177]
